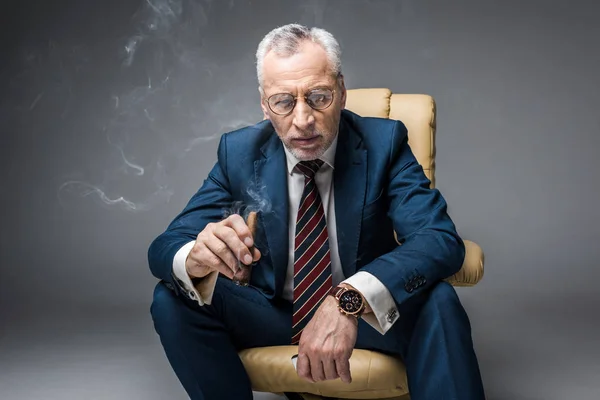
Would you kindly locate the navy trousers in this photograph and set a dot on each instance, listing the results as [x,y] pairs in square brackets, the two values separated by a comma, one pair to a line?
[432,337]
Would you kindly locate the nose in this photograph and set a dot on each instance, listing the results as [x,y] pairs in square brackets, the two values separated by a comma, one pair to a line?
[303,115]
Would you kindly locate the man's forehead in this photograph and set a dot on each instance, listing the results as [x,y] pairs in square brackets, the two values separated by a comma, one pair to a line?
[308,66]
[291,85]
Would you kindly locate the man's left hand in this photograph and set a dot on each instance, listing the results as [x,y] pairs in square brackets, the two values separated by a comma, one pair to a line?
[326,344]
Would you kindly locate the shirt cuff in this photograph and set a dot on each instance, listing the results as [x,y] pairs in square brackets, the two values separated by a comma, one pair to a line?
[203,290]
[385,312]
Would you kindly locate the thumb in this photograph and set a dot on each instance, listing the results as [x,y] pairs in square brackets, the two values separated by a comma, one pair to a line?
[255,254]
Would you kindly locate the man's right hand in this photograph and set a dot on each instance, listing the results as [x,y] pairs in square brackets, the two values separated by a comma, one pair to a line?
[220,247]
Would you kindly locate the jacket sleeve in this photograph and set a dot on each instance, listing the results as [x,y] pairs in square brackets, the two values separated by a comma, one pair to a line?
[431,249]
[207,205]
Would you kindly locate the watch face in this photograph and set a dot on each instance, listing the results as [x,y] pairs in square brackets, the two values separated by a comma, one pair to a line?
[351,301]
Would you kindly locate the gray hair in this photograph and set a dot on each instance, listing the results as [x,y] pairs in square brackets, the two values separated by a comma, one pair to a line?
[285,41]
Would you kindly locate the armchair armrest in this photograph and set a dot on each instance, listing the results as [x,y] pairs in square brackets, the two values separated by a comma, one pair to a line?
[472,268]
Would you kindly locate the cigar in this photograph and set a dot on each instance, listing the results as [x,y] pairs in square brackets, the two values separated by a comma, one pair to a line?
[251,222]
[242,276]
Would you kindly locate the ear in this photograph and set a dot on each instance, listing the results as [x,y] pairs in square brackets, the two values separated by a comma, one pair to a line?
[265,112]
[342,89]
[263,104]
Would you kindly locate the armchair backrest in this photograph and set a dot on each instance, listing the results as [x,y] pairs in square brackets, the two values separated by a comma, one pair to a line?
[416,111]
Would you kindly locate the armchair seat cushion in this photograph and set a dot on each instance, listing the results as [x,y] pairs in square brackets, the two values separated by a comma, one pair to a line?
[374,375]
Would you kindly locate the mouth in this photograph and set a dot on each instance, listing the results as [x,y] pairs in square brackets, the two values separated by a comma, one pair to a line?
[305,141]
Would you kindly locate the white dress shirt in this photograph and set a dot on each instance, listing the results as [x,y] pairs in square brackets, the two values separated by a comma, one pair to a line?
[385,312]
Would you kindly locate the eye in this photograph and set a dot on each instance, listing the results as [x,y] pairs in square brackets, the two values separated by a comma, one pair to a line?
[283,103]
[320,98]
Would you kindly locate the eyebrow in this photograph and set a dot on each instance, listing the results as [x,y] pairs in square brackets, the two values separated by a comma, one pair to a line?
[307,91]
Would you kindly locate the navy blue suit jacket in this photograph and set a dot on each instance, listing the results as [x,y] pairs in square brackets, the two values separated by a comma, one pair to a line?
[379,188]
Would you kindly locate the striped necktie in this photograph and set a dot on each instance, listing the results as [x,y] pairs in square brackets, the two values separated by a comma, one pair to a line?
[312,261]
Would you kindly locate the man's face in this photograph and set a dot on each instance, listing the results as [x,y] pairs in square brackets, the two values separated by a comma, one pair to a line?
[305,132]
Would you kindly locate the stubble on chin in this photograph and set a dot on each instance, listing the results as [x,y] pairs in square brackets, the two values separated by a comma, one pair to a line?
[305,156]
[308,155]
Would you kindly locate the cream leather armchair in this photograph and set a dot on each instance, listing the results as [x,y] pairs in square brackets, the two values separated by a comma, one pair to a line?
[374,375]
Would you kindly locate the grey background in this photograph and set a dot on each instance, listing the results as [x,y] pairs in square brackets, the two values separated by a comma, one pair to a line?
[101,147]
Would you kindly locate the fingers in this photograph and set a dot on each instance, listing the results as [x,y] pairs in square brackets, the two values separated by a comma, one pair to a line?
[329,369]
[303,367]
[237,223]
[315,364]
[326,345]
[234,232]
[221,246]
[320,363]
[255,254]
[342,366]
[203,260]
[315,370]
[220,250]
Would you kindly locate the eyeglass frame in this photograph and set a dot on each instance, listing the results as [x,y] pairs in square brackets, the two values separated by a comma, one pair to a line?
[305,96]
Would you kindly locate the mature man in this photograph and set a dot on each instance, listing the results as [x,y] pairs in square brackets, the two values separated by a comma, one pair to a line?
[328,273]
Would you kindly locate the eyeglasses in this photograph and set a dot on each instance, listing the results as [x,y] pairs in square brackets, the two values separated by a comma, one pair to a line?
[284,103]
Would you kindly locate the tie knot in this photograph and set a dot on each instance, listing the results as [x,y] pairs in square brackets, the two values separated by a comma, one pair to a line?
[309,168]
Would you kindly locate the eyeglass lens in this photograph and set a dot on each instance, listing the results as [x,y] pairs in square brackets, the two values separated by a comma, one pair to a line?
[317,99]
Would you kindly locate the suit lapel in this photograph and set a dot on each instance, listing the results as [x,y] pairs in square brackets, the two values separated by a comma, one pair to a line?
[270,174]
[350,180]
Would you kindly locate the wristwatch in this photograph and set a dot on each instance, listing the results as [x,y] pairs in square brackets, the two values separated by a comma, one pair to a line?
[350,301]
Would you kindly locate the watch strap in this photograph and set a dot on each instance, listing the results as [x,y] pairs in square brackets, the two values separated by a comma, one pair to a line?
[337,291]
